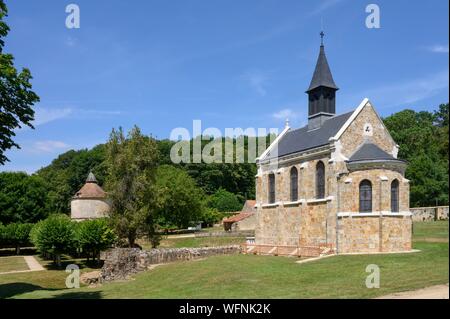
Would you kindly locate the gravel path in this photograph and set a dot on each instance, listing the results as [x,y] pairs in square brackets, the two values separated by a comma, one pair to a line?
[433,292]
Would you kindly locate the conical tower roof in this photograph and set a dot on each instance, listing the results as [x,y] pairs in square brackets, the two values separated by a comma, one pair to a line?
[322,74]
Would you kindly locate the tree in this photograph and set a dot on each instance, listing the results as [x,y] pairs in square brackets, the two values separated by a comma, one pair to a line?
[16,95]
[131,165]
[94,236]
[67,174]
[54,236]
[15,235]
[224,201]
[179,198]
[423,140]
[23,198]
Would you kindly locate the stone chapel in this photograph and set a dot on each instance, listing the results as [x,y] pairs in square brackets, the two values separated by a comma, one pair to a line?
[336,182]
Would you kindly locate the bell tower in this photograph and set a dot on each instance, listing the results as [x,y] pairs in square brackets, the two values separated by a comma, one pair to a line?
[321,92]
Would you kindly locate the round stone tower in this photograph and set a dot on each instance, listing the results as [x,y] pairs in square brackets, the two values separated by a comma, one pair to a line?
[90,202]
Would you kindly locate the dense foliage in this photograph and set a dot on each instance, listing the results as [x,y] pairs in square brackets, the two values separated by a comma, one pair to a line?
[131,165]
[23,198]
[55,236]
[67,174]
[180,201]
[93,236]
[423,139]
[15,235]
[16,95]
[224,201]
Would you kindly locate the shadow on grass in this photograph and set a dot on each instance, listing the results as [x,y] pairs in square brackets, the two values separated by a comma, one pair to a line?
[10,252]
[17,288]
[80,295]
[82,264]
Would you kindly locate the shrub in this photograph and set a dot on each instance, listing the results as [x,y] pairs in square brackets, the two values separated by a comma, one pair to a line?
[224,201]
[210,216]
[94,236]
[54,236]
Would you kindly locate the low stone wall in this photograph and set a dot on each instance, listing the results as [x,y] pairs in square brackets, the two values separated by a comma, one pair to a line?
[421,214]
[120,263]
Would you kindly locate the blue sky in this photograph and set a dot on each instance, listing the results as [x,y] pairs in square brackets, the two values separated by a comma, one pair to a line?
[163,64]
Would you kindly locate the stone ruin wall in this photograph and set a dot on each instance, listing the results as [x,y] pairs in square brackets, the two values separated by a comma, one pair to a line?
[120,263]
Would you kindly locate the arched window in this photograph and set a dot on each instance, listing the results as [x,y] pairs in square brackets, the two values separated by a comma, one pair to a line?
[320,180]
[294,184]
[271,188]
[394,195]
[365,196]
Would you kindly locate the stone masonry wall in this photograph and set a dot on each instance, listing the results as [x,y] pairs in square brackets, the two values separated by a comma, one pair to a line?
[354,134]
[381,180]
[374,234]
[120,263]
[421,214]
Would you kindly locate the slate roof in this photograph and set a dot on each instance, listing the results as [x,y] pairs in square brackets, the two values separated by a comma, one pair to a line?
[322,74]
[302,139]
[371,152]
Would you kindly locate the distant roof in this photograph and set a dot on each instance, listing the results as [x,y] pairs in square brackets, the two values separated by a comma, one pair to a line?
[302,139]
[249,205]
[91,189]
[91,178]
[322,74]
[371,152]
[237,218]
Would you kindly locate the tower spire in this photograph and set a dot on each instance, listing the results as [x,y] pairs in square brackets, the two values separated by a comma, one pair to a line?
[321,91]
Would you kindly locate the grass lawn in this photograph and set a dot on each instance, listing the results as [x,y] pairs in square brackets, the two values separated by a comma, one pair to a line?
[248,276]
[201,242]
[431,231]
[12,264]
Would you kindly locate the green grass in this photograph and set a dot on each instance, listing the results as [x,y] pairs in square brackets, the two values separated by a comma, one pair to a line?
[15,263]
[248,276]
[173,242]
[201,242]
[436,231]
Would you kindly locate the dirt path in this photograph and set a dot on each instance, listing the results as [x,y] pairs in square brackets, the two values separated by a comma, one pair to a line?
[433,292]
[33,264]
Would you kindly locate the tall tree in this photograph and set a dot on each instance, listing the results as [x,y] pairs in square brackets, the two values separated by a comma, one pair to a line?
[423,140]
[179,198]
[16,95]
[131,165]
[23,198]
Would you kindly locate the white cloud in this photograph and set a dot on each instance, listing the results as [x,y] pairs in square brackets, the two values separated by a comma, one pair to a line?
[257,81]
[324,5]
[285,114]
[404,93]
[438,48]
[49,146]
[44,115]
[71,42]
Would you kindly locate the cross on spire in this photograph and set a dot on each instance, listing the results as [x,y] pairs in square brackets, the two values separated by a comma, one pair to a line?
[322,34]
